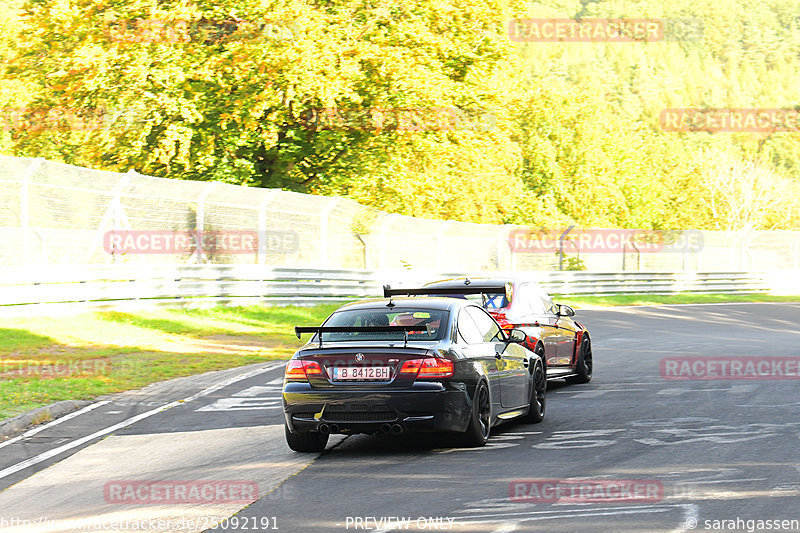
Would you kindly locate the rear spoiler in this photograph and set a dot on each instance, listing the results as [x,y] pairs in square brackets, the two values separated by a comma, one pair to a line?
[506,289]
[319,330]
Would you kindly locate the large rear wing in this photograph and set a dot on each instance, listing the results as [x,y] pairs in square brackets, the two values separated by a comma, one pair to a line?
[505,288]
[319,330]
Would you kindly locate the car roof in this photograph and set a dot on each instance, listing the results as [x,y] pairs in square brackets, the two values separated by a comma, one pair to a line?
[426,302]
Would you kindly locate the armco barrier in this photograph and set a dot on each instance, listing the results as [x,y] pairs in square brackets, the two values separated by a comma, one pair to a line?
[228,284]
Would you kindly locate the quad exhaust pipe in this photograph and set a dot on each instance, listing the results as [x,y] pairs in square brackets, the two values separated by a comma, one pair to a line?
[394,429]
[328,428]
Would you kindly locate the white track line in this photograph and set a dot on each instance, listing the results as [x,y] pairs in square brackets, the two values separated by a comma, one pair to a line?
[55,422]
[507,519]
[612,307]
[74,444]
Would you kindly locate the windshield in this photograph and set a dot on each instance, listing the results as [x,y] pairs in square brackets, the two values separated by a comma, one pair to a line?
[432,324]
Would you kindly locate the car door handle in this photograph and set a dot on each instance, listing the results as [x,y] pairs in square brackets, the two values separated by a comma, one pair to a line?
[525,363]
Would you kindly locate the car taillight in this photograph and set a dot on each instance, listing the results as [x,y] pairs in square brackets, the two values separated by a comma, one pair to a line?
[430,367]
[501,318]
[301,369]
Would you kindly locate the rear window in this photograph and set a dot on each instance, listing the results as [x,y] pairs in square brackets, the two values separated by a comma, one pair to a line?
[492,302]
[432,324]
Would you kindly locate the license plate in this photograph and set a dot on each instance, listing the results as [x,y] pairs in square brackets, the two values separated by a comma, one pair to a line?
[371,373]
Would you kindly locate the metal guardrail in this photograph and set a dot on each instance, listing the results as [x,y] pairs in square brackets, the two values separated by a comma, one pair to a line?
[588,283]
[246,284]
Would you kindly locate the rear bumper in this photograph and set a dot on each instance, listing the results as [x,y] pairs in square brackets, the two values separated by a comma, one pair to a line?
[422,407]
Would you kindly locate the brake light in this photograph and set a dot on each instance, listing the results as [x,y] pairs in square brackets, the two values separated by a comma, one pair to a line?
[430,367]
[501,318]
[411,367]
[301,369]
[312,368]
[436,368]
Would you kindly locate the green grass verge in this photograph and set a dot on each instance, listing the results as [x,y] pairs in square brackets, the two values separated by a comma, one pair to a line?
[45,359]
[579,302]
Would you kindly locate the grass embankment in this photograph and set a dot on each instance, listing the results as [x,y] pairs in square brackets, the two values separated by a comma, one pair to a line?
[579,302]
[44,360]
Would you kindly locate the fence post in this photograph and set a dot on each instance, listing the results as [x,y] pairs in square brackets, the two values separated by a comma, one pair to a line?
[200,221]
[262,226]
[441,256]
[323,233]
[25,207]
[387,222]
[500,241]
[114,217]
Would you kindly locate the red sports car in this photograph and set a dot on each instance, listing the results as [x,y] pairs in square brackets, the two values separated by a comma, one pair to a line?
[563,343]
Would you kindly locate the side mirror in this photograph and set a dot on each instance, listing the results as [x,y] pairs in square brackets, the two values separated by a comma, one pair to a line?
[517,336]
[565,310]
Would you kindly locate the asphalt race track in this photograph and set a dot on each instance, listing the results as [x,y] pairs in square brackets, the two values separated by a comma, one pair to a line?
[715,450]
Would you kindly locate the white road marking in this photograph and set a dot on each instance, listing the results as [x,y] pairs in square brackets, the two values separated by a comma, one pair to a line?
[713,434]
[70,494]
[568,513]
[673,422]
[258,390]
[254,398]
[125,423]
[678,391]
[577,439]
[242,404]
[506,528]
[56,451]
[489,446]
[768,406]
[55,422]
[620,307]
[594,393]
[690,520]
[138,404]
[740,480]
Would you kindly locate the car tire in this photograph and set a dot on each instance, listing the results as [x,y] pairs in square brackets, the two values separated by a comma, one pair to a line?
[583,369]
[307,441]
[477,433]
[538,401]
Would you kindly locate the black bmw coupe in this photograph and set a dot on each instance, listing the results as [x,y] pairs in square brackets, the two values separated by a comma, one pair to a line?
[410,364]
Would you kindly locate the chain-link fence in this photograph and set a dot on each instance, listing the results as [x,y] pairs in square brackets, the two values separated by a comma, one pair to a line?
[56,214]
